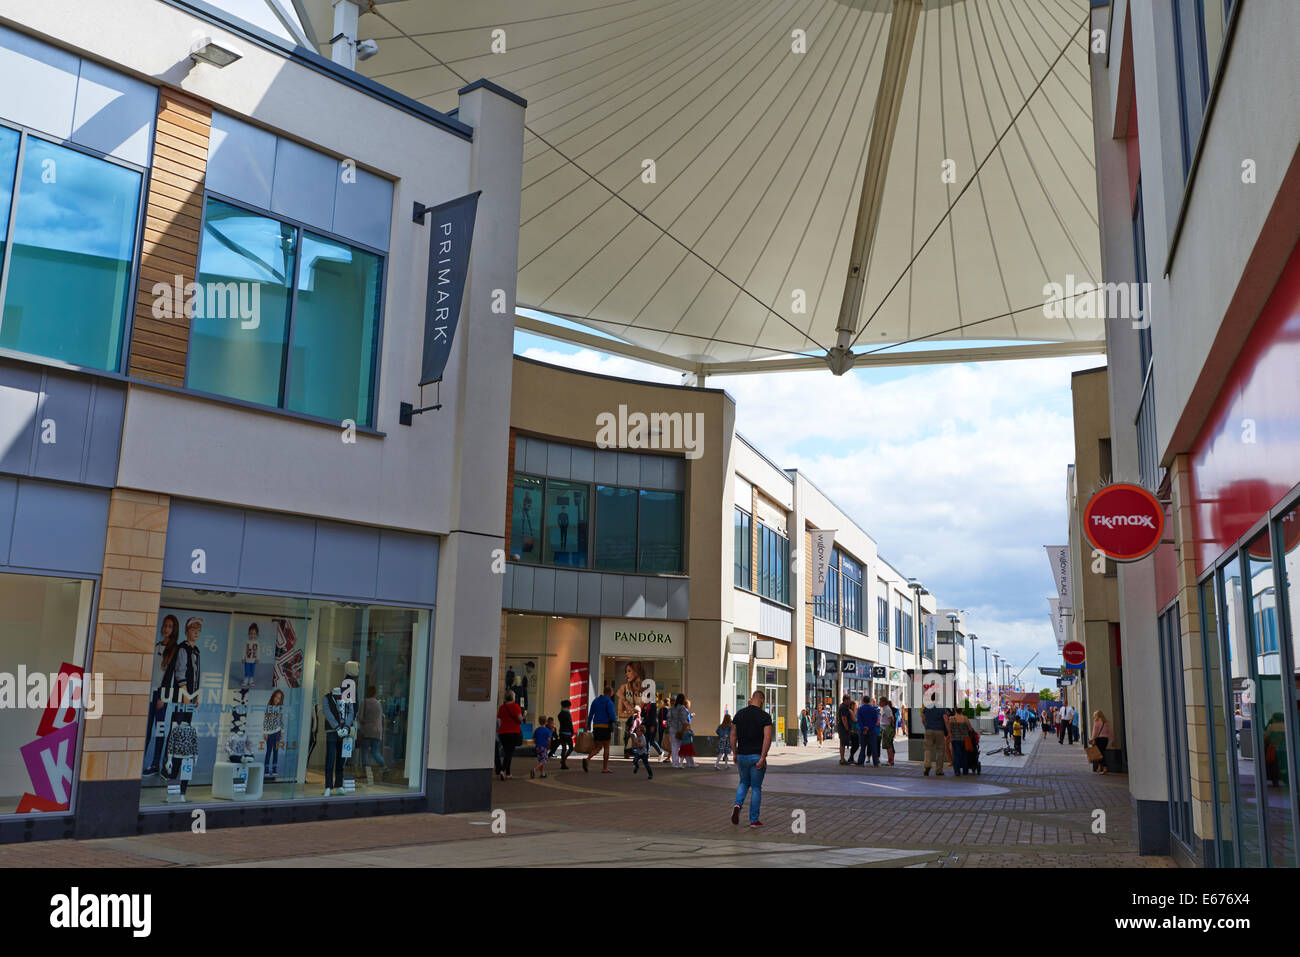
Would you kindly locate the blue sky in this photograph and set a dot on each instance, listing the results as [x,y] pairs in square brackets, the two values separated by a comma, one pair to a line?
[957,471]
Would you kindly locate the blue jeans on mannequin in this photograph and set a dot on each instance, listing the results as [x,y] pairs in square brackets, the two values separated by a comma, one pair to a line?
[272,762]
[333,760]
[751,779]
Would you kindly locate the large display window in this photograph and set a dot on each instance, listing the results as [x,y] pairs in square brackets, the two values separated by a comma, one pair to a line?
[44,623]
[261,697]
[546,663]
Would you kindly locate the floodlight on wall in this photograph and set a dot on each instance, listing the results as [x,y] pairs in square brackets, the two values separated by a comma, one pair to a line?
[215,52]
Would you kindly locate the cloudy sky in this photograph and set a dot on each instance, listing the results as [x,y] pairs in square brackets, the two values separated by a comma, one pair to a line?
[957,472]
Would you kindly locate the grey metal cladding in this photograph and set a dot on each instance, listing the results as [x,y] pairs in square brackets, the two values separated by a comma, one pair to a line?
[289,554]
[66,405]
[8,500]
[408,567]
[114,113]
[304,184]
[557,460]
[216,529]
[346,562]
[277,552]
[589,594]
[20,395]
[107,414]
[629,469]
[652,471]
[59,527]
[544,590]
[535,456]
[60,425]
[679,598]
[523,592]
[582,464]
[611,596]
[363,207]
[508,586]
[674,473]
[606,467]
[241,161]
[633,596]
[656,597]
[38,84]
[566,591]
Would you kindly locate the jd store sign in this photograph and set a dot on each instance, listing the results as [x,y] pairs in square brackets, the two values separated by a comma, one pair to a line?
[631,638]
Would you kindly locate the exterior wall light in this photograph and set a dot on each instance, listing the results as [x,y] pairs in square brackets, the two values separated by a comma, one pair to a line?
[211,51]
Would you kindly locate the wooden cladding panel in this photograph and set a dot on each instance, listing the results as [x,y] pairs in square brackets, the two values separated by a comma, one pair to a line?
[173,215]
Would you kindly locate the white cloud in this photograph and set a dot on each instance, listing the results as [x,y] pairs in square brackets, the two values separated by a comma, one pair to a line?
[957,472]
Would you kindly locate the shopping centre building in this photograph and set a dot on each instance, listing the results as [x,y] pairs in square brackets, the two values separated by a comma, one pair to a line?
[216,514]
[653,549]
[1199,191]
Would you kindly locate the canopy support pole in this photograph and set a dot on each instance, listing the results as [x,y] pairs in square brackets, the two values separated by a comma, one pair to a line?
[889,100]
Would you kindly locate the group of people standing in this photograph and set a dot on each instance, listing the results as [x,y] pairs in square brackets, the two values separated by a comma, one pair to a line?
[865,729]
[950,733]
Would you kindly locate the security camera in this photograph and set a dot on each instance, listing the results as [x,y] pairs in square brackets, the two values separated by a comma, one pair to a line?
[366,49]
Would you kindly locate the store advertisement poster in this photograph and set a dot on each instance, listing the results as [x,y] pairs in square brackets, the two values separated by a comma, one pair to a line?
[49,759]
[257,680]
[635,685]
[213,644]
[578,677]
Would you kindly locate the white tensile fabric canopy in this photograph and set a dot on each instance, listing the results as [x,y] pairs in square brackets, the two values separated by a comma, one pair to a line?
[969,121]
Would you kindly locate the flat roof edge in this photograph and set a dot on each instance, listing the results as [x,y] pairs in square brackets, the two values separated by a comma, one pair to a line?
[314,61]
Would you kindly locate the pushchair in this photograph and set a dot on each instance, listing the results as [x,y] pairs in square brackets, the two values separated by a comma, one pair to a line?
[973,754]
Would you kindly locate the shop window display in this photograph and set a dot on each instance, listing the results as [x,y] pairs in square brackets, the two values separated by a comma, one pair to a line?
[44,623]
[259,697]
[637,682]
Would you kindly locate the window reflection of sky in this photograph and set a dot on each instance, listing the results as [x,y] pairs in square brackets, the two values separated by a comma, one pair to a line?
[89,208]
[8,165]
[241,245]
[315,250]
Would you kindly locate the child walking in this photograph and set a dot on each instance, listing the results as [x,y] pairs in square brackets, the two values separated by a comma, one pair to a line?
[687,750]
[542,741]
[724,743]
[640,751]
[1016,732]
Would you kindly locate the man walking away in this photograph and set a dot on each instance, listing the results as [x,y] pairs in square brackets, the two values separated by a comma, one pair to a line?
[936,732]
[600,718]
[844,728]
[751,737]
[1062,722]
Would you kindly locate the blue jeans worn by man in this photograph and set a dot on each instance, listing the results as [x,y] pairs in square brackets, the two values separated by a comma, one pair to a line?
[870,746]
[751,779]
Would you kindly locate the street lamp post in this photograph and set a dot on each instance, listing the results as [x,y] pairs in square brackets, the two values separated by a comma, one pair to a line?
[974,668]
[988,689]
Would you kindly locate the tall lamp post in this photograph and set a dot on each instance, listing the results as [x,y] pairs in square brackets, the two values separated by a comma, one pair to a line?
[974,668]
[997,673]
[988,689]
[917,591]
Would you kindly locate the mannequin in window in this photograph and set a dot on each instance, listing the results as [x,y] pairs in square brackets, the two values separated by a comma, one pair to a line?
[181,682]
[339,708]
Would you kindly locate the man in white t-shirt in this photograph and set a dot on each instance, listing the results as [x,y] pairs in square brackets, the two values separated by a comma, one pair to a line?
[1063,722]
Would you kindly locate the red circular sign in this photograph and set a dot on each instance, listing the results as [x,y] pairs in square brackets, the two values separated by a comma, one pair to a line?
[1125,522]
[1073,652]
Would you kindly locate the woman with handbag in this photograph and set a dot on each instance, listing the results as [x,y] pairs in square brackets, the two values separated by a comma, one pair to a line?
[1101,735]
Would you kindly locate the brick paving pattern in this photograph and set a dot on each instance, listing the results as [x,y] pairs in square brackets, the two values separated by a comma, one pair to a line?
[1044,818]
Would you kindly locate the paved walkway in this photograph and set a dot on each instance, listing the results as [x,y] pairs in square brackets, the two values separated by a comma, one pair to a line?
[1032,811]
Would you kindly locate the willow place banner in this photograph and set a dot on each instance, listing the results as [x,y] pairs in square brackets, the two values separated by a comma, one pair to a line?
[451,234]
